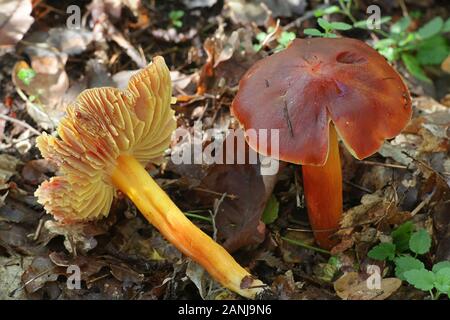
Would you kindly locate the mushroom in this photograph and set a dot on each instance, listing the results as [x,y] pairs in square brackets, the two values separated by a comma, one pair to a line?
[104,142]
[314,92]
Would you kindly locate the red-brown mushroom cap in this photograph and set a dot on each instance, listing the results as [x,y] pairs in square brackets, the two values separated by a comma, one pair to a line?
[315,81]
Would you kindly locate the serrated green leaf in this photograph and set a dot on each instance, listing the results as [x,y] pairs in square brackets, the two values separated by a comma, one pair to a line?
[441,265]
[382,251]
[420,242]
[324,24]
[313,32]
[442,280]
[270,213]
[433,50]
[401,25]
[340,26]
[414,67]
[420,278]
[401,236]
[406,263]
[431,28]
[446,27]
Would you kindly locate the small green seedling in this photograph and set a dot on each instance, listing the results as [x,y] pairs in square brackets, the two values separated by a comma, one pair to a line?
[283,40]
[425,47]
[26,75]
[328,27]
[175,17]
[408,267]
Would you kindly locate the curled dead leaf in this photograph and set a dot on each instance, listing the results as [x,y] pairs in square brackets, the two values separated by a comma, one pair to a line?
[351,287]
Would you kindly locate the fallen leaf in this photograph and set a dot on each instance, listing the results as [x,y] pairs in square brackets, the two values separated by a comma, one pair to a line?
[40,271]
[8,166]
[15,20]
[248,11]
[34,171]
[11,269]
[351,287]
[228,58]
[190,4]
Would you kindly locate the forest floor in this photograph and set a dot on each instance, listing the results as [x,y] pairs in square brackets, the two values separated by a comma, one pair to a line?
[396,202]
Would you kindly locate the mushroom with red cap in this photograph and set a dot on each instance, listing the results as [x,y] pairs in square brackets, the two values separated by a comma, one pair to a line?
[103,145]
[314,92]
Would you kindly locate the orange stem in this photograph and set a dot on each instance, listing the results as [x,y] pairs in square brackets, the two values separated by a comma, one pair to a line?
[323,192]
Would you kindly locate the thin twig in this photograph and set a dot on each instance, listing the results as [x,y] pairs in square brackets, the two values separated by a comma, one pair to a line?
[304,245]
[20,123]
[43,273]
[217,204]
[358,186]
[231,196]
[288,119]
[423,203]
[381,164]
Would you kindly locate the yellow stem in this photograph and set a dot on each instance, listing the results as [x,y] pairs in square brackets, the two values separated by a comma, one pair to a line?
[130,177]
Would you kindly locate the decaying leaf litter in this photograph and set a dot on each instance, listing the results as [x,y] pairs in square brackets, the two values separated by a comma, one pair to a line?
[262,221]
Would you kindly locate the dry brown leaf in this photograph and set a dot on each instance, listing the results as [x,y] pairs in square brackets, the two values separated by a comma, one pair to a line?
[47,87]
[256,11]
[351,287]
[15,20]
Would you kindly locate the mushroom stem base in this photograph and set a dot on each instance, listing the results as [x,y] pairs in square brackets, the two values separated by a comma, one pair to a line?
[323,194]
[130,177]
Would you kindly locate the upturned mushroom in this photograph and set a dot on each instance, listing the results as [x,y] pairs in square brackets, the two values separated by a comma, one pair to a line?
[104,142]
[314,92]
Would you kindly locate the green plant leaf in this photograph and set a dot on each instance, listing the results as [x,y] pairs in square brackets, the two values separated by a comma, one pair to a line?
[431,28]
[401,235]
[406,263]
[363,23]
[420,278]
[433,50]
[441,265]
[325,11]
[401,25]
[176,14]
[382,251]
[446,27]
[390,53]
[324,24]
[340,26]
[261,36]
[313,32]
[384,43]
[286,38]
[414,67]
[177,23]
[26,75]
[442,280]
[270,213]
[420,242]
[330,35]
